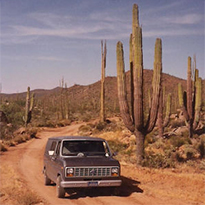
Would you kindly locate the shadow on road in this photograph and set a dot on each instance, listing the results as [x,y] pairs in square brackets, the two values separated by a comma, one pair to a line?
[128,187]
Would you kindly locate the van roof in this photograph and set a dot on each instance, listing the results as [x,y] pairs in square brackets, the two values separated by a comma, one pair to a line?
[75,138]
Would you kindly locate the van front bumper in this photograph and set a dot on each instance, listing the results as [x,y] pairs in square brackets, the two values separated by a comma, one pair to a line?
[101,183]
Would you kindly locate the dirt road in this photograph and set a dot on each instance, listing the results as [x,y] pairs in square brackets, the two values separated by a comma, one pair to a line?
[147,186]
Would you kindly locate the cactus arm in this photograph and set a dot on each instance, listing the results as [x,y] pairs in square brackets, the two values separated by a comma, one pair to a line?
[198,102]
[168,110]
[189,89]
[135,17]
[122,93]
[138,78]
[160,115]
[131,78]
[32,102]
[156,84]
[182,101]
[27,106]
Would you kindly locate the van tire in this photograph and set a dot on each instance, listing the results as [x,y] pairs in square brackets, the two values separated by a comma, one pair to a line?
[47,181]
[60,191]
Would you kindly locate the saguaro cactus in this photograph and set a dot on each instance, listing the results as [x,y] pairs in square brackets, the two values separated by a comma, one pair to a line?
[191,100]
[134,119]
[29,107]
[103,66]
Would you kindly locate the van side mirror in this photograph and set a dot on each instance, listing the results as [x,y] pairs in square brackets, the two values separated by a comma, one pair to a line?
[114,154]
[51,153]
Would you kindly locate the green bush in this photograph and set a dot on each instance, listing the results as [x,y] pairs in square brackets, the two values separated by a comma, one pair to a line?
[117,146]
[178,141]
[157,161]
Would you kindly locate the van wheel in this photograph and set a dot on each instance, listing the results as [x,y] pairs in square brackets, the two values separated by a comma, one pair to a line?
[47,181]
[59,190]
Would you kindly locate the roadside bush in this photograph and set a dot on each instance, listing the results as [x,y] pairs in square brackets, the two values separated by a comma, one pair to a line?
[117,146]
[86,129]
[3,148]
[201,147]
[186,152]
[157,161]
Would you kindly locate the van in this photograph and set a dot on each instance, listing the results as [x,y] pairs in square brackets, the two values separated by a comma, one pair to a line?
[73,162]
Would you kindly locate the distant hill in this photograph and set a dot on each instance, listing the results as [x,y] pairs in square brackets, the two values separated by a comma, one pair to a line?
[88,97]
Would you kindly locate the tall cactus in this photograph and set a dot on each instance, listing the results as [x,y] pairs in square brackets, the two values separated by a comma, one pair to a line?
[29,107]
[191,100]
[134,119]
[103,66]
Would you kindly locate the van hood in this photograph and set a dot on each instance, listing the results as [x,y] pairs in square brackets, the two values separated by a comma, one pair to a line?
[90,161]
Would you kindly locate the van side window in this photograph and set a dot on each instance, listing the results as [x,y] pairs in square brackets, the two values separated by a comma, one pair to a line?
[58,148]
[53,146]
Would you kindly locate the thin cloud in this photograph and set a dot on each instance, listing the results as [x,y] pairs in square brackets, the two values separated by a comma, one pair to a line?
[172,32]
[184,19]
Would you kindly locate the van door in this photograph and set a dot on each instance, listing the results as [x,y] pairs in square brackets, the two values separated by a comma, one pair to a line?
[55,162]
[51,152]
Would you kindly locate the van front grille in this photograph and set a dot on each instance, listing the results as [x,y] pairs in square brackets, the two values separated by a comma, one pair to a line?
[92,171]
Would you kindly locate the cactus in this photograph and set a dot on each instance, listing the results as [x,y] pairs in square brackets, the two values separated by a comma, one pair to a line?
[134,118]
[190,102]
[29,107]
[160,122]
[64,101]
[103,66]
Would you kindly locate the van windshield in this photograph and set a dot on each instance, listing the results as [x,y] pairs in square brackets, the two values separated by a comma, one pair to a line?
[85,148]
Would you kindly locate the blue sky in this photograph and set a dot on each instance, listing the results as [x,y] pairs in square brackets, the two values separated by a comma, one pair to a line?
[45,40]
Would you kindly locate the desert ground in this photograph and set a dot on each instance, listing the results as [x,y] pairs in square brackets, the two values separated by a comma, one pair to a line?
[22,181]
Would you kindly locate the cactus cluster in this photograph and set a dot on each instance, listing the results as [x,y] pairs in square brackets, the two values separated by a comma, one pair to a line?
[29,107]
[134,117]
[190,101]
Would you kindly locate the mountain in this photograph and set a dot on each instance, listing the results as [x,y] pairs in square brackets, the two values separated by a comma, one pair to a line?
[88,97]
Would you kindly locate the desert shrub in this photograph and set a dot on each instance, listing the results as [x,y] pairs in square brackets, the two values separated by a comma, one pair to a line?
[27,197]
[149,139]
[101,126]
[201,147]
[117,146]
[32,131]
[186,152]
[3,148]
[108,126]
[14,112]
[178,141]
[157,161]
[177,123]
[19,139]
[86,129]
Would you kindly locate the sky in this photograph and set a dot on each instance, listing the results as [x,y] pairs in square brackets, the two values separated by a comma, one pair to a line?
[43,41]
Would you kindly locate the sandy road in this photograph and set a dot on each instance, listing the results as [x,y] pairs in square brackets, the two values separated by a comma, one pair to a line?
[155,187]
[31,165]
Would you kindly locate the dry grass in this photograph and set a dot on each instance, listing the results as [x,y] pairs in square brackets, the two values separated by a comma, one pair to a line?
[13,189]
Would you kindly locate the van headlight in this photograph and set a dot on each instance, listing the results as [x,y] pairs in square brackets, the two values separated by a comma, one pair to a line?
[69,172]
[115,171]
